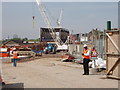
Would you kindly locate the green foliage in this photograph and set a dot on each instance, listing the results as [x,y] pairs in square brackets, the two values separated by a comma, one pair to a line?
[16,39]
[25,39]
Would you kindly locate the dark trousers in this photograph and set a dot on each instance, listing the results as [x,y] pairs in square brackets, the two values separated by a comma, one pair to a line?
[86,65]
[14,62]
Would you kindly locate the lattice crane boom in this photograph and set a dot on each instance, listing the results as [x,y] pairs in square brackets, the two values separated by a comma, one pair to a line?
[47,20]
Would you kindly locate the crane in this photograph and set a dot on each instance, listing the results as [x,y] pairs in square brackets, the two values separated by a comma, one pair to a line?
[58,41]
[60,18]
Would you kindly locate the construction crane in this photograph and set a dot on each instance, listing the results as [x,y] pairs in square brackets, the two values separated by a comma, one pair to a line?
[60,18]
[58,41]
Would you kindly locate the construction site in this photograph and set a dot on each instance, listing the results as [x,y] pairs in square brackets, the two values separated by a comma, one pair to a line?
[56,60]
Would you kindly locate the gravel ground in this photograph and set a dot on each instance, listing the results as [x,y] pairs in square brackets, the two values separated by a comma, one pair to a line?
[49,72]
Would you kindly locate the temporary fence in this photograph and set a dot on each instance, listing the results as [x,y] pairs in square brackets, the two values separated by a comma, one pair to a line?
[113,53]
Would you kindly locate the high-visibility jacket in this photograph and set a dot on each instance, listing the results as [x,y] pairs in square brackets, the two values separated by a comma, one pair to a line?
[15,55]
[86,56]
[94,53]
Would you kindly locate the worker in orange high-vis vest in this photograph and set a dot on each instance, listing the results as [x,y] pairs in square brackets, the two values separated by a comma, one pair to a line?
[94,55]
[15,58]
[86,60]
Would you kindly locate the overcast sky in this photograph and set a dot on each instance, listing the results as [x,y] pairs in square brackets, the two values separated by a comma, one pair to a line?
[80,17]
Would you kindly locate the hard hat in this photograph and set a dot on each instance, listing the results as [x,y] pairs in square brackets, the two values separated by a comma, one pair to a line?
[85,45]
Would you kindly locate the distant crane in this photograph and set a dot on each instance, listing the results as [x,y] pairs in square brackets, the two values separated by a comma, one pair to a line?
[60,18]
[33,17]
[47,20]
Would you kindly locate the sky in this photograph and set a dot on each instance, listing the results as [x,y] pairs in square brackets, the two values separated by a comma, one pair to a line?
[79,17]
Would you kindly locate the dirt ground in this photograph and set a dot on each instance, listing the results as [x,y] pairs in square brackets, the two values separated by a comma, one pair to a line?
[50,72]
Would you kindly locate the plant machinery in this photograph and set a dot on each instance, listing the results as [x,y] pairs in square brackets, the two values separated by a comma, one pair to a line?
[57,40]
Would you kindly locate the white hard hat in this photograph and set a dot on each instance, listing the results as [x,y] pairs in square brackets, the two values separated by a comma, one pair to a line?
[14,48]
[85,45]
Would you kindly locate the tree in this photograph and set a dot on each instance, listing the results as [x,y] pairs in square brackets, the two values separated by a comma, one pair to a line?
[25,39]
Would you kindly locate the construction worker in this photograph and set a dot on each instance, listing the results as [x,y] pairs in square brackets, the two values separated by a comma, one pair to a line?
[86,60]
[8,50]
[94,55]
[15,58]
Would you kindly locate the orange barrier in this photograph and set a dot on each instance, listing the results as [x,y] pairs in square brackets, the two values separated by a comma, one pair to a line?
[4,54]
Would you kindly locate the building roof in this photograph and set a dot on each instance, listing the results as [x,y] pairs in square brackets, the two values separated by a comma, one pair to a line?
[13,41]
[55,28]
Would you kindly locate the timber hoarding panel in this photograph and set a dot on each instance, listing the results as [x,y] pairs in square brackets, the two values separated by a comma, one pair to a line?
[111,60]
[111,52]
